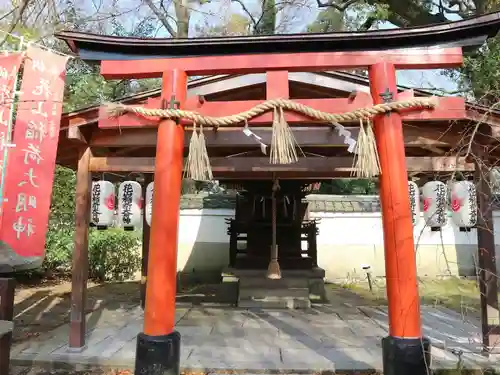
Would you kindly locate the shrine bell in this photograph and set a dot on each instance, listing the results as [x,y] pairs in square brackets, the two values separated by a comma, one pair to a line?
[463,204]
[130,205]
[102,205]
[434,204]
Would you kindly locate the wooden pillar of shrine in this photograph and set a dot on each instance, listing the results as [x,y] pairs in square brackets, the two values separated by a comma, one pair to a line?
[79,272]
[487,272]
[148,178]
[158,347]
[404,350]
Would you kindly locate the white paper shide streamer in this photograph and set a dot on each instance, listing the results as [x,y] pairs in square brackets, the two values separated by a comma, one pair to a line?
[348,140]
[129,205]
[102,204]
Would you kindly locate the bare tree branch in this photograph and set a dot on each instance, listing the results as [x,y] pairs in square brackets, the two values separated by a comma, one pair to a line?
[9,12]
[249,14]
[332,4]
[162,17]
[21,9]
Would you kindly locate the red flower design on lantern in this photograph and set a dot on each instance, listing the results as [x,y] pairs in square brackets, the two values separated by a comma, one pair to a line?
[109,201]
[456,203]
[140,203]
[427,203]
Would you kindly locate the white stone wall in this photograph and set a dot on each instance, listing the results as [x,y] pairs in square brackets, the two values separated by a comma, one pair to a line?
[346,242]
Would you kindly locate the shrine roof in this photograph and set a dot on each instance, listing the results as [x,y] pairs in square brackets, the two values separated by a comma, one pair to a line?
[470,32]
[243,87]
[228,87]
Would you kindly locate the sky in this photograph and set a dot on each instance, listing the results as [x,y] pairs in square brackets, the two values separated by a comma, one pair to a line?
[424,79]
[213,12]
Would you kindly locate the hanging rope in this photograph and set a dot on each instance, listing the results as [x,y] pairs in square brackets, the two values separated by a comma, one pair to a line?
[283,144]
[273,269]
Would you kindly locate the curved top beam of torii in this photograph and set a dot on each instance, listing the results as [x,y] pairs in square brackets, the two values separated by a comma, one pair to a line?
[465,33]
[413,48]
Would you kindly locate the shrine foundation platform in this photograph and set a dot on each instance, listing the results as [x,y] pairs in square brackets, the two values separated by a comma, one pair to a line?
[322,338]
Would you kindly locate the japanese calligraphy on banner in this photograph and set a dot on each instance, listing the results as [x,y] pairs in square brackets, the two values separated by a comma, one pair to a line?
[9,67]
[30,169]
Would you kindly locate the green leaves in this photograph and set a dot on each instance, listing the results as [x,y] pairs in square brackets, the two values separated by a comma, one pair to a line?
[114,255]
[480,75]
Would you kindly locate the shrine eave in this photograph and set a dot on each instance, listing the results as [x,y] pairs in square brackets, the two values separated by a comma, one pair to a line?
[471,32]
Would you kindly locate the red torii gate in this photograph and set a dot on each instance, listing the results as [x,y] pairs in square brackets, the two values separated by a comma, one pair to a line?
[405,350]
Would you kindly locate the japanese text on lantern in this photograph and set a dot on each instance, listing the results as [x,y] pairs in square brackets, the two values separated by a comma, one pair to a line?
[96,202]
[39,126]
[128,192]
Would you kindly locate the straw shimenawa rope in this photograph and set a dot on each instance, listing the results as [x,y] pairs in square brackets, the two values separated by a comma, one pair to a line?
[283,146]
[116,109]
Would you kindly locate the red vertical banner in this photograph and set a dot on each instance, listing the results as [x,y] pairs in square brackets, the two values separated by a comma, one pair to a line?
[31,164]
[9,68]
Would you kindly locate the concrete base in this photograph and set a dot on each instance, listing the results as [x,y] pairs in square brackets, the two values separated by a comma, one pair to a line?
[406,356]
[294,290]
[158,354]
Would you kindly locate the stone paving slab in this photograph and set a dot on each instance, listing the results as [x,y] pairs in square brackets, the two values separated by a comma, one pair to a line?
[444,330]
[320,338]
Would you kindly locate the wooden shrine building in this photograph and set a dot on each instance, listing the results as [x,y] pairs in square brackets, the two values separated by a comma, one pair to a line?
[240,74]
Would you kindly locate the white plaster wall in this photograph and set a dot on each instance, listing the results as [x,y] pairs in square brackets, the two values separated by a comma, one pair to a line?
[346,242]
[203,243]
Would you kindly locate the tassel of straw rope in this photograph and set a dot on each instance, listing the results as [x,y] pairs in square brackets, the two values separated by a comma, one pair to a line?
[192,164]
[366,162]
[283,142]
[197,165]
[372,151]
[205,168]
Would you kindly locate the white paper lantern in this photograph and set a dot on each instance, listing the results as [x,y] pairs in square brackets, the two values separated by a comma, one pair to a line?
[149,202]
[414,194]
[102,203]
[463,204]
[434,199]
[129,204]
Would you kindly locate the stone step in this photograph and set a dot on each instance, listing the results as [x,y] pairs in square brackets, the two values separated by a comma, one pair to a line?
[263,293]
[275,303]
[283,283]
[311,273]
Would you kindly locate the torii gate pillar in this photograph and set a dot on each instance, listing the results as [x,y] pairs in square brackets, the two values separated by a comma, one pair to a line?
[404,350]
[158,347]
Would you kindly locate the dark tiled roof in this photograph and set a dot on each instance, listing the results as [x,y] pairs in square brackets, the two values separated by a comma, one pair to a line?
[343,203]
[317,202]
[208,201]
[472,31]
